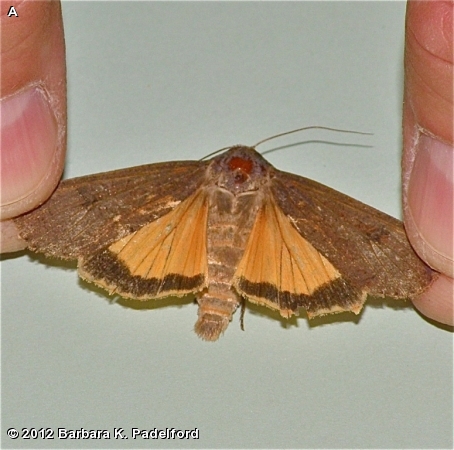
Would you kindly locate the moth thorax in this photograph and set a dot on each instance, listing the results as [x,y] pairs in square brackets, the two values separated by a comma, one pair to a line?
[240,170]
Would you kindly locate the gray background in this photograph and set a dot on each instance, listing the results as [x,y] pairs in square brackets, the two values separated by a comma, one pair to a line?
[159,81]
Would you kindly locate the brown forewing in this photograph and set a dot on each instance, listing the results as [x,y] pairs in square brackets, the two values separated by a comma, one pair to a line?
[87,214]
[369,248]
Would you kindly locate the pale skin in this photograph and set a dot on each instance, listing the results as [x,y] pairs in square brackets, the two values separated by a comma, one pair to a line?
[33,91]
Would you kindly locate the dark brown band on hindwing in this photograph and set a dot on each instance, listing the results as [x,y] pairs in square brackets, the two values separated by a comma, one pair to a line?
[107,270]
[338,294]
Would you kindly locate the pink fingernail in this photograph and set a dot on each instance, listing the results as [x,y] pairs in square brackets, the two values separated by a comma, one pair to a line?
[28,143]
[430,194]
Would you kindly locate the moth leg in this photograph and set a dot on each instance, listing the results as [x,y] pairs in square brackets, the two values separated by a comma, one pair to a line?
[243,310]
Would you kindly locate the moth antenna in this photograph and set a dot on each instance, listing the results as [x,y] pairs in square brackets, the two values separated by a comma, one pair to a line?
[214,153]
[339,130]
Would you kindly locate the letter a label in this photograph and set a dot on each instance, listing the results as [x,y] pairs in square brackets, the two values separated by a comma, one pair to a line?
[12,12]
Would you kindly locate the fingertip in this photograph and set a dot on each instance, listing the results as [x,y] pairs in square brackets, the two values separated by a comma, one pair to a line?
[428,157]
[437,303]
[33,106]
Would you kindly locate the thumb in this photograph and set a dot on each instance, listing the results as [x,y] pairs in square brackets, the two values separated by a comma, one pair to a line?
[33,106]
[428,160]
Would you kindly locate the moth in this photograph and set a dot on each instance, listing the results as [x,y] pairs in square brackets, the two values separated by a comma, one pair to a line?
[226,229]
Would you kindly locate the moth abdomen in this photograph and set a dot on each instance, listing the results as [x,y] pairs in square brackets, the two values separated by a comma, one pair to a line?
[230,220]
[216,308]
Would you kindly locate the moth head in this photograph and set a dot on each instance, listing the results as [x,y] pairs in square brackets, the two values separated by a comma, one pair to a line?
[240,169]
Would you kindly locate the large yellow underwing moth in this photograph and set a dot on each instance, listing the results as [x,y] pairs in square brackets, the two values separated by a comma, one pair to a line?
[228,228]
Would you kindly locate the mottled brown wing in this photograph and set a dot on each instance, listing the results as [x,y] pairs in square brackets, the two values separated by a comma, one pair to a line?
[87,214]
[369,248]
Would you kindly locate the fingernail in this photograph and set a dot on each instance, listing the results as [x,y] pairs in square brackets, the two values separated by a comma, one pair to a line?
[29,135]
[430,194]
